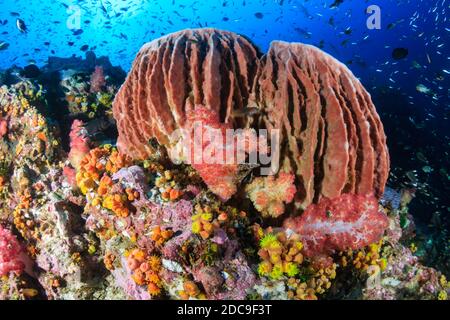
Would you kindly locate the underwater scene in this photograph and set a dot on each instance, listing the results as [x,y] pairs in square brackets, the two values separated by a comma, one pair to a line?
[224,150]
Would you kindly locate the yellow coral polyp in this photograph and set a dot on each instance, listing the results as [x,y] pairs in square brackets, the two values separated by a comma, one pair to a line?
[94,177]
[291,269]
[202,225]
[206,216]
[277,272]
[367,257]
[442,295]
[280,254]
[196,227]
[155,262]
[153,289]
[267,240]
[264,268]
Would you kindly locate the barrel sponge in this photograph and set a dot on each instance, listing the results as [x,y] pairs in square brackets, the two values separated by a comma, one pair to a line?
[332,138]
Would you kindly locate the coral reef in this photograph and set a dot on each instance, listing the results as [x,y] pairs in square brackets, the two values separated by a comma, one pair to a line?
[83,218]
[88,95]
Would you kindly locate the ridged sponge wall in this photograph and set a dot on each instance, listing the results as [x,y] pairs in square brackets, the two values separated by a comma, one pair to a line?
[333,137]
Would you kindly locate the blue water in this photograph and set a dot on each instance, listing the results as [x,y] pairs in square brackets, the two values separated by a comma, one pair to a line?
[118,28]
[415,122]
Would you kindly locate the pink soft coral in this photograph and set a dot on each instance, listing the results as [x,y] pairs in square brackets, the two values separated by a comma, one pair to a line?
[346,222]
[219,177]
[269,194]
[10,253]
[3,127]
[70,175]
[216,153]
[79,143]
[97,80]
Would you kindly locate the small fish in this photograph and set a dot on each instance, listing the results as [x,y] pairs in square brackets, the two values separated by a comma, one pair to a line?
[303,32]
[247,111]
[421,157]
[15,14]
[84,48]
[427,169]
[392,25]
[423,89]
[399,53]
[259,15]
[77,32]
[336,4]
[3,45]
[331,21]
[416,65]
[97,126]
[21,25]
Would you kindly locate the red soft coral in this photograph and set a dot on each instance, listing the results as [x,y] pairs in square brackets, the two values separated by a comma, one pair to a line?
[10,253]
[216,150]
[70,174]
[79,143]
[346,222]
[219,177]
[97,80]
[269,194]
[3,127]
